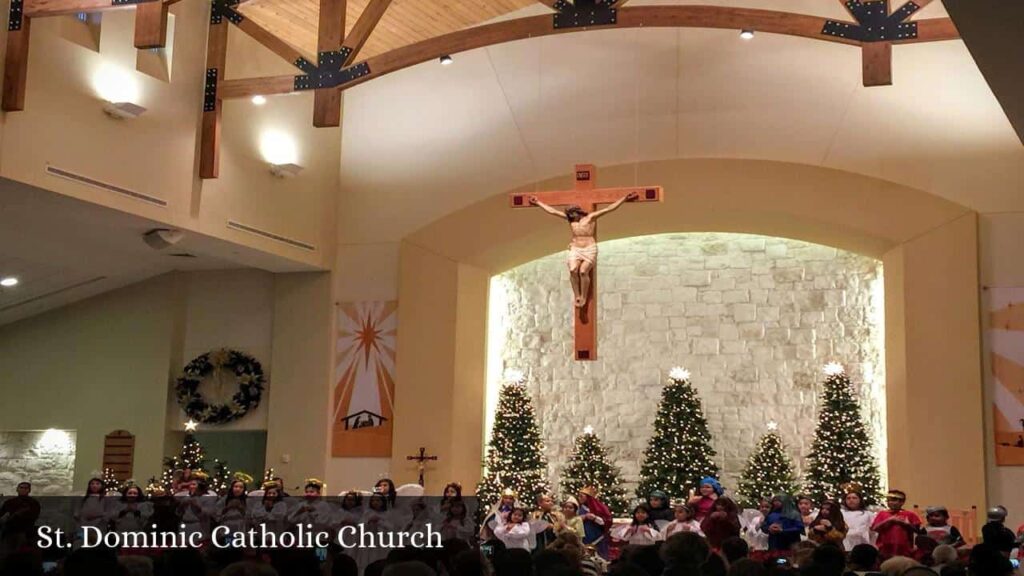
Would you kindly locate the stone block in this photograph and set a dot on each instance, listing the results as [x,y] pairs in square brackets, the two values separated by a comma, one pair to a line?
[744,312]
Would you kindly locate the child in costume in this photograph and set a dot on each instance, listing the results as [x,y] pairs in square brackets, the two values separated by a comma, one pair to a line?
[515,532]
[499,512]
[805,505]
[546,513]
[272,510]
[231,509]
[658,504]
[131,512]
[683,522]
[895,527]
[710,490]
[641,532]
[858,519]
[457,525]
[572,522]
[784,524]
[597,520]
[829,527]
[939,529]
[722,522]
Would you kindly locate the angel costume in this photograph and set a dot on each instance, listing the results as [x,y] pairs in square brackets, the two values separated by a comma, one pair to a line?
[196,512]
[859,531]
[636,534]
[519,535]
[127,516]
[232,513]
[675,527]
[271,515]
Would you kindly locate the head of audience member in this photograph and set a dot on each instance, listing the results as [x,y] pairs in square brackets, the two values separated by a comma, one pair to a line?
[248,569]
[863,557]
[685,550]
[471,563]
[897,565]
[408,569]
[24,489]
[138,565]
[828,560]
[91,562]
[987,560]
[802,552]
[713,566]
[645,557]
[514,562]
[747,567]
[735,548]
[944,554]
[344,565]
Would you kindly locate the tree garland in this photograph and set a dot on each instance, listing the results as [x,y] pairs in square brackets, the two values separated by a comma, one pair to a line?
[248,374]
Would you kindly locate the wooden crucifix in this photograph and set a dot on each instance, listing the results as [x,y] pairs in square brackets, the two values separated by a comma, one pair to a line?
[582,213]
[421,461]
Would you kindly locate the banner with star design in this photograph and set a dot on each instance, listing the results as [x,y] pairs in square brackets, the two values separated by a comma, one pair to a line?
[364,376]
[1006,352]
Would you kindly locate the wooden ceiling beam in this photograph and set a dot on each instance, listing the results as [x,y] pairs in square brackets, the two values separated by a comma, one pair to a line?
[40,8]
[151,25]
[687,16]
[216,57]
[270,41]
[549,3]
[16,66]
[364,27]
[330,34]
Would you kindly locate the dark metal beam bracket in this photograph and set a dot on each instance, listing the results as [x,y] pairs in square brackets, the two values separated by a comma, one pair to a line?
[874,24]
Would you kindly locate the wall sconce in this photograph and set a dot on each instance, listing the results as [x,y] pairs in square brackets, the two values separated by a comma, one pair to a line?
[120,90]
[280,151]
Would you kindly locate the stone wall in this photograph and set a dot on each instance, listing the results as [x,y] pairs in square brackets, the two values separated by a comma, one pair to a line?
[753,318]
[46,459]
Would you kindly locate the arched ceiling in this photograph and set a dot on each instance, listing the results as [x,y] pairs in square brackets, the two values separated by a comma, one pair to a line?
[426,141]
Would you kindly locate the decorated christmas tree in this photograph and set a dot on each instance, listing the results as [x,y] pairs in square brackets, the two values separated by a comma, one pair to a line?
[193,457]
[515,456]
[679,453]
[769,471]
[842,450]
[110,482]
[589,466]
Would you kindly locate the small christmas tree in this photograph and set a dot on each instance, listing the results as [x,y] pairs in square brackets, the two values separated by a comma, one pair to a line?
[193,457]
[589,466]
[679,453]
[515,456]
[842,450]
[769,471]
[110,482]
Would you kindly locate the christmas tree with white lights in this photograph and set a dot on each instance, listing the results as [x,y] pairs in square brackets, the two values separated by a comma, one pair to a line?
[589,466]
[679,453]
[768,472]
[842,450]
[515,453]
[110,481]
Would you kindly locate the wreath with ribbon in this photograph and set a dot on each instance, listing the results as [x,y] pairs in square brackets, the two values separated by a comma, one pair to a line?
[248,375]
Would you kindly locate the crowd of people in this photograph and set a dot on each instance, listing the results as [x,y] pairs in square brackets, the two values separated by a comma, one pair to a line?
[705,534]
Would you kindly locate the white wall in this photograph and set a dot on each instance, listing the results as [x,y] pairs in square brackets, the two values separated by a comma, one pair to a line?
[753,318]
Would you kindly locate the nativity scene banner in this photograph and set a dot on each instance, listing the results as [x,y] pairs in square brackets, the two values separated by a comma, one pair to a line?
[1006,349]
[364,376]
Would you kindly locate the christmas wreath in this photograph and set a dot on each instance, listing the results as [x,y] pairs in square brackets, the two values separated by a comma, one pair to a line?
[248,375]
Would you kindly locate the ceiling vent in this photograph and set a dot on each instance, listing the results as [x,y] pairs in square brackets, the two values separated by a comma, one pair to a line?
[271,236]
[152,200]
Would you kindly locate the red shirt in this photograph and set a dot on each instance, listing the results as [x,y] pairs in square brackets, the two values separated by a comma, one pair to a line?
[895,538]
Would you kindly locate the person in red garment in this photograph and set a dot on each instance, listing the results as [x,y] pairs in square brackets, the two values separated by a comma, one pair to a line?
[896,527]
[597,520]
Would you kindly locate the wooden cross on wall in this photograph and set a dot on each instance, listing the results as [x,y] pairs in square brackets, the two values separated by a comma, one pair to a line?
[586,196]
[421,462]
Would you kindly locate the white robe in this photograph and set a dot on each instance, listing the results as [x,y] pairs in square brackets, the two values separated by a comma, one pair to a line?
[858,523]
[130,516]
[636,535]
[675,527]
[515,535]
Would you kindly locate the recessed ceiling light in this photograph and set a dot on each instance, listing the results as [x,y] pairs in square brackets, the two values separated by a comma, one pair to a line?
[747,34]
[9,281]
[446,60]
[259,100]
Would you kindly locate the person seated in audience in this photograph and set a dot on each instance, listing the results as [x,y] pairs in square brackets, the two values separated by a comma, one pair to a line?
[996,534]
[896,527]
[938,528]
[944,555]
[897,566]
[684,553]
[658,504]
[829,527]
[805,504]
[682,522]
[784,524]
[988,560]
[641,532]
[710,490]
[858,519]
[862,561]
[734,549]
[723,522]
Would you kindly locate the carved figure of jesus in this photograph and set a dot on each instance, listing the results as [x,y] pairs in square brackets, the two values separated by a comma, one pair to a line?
[583,245]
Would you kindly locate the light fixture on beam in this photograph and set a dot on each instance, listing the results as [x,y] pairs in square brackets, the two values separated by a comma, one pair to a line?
[259,100]
[123,110]
[446,60]
[747,34]
[280,150]
[120,91]
[9,281]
